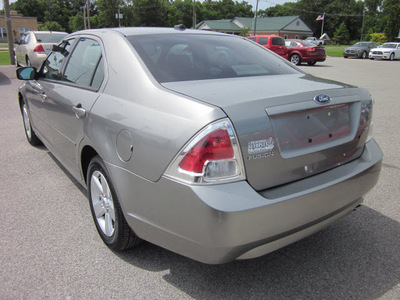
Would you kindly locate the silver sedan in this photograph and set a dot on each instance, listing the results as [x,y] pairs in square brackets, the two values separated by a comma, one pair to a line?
[203,143]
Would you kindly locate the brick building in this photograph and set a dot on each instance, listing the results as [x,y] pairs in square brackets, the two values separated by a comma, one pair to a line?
[19,25]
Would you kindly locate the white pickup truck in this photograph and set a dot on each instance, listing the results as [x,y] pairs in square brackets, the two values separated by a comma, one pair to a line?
[315,40]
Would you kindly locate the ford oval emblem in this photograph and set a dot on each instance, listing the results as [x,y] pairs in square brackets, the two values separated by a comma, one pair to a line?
[322,99]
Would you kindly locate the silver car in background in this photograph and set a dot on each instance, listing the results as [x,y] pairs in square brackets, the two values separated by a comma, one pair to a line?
[33,47]
[203,143]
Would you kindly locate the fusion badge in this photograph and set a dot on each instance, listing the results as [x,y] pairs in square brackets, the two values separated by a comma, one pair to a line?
[260,148]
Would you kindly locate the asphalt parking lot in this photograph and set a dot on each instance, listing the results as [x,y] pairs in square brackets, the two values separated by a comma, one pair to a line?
[49,247]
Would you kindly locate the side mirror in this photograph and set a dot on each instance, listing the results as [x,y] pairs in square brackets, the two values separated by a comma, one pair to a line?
[27,73]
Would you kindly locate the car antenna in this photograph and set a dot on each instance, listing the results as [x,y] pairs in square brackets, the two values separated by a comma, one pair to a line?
[180,27]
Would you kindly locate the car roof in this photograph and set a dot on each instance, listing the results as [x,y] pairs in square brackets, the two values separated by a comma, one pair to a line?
[262,36]
[48,32]
[131,31]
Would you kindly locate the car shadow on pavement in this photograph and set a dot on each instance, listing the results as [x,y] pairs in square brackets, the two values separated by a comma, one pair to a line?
[356,258]
[322,65]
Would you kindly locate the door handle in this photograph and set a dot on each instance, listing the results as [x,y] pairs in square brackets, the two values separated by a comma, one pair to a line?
[43,96]
[79,111]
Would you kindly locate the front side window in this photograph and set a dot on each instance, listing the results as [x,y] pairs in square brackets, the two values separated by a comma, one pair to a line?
[263,41]
[52,66]
[176,57]
[85,65]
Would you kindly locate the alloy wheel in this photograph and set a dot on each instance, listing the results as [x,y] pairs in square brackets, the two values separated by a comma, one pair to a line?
[103,204]
[27,122]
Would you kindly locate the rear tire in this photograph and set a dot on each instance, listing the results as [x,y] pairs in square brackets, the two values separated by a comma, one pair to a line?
[295,59]
[29,132]
[106,210]
[311,63]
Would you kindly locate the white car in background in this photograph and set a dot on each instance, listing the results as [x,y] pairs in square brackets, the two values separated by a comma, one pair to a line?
[33,47]
[389,51]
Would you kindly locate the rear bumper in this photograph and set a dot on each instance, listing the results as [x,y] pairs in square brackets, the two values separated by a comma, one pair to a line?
[318,58]
[220,223]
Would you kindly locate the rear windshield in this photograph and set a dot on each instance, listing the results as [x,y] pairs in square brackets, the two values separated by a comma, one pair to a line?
[308,44]
[184,57]
[49,37]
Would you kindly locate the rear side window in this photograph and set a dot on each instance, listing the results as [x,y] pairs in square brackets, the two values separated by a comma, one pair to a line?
[184,57]
[85,67]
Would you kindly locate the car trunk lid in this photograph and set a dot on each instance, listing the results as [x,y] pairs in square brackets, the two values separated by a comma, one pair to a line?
[284,134]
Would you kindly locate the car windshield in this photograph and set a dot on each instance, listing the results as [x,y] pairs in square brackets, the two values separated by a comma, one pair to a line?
[184,57]
[360,45]
[49,37]
[388,46]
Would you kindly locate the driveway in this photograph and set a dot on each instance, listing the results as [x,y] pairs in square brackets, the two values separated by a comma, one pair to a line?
[49,247]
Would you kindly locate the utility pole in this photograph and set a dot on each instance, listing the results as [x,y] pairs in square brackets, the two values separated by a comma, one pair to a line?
[255,20]
[9,31]
[362,25]
[84,17]
[88,14]
[194,14]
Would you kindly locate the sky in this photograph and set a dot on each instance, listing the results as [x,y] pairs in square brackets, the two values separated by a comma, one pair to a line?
[1,3]
[262,4]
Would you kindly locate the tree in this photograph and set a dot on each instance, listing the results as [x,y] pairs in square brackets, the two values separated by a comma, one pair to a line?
[391,16]
[244,31]
[51,26]
[287,9]
[341,35]
[49,11]
[76,22]
[379,38]
[108,9]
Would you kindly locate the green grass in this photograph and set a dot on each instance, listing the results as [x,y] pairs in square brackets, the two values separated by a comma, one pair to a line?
[335,50]
[4,58]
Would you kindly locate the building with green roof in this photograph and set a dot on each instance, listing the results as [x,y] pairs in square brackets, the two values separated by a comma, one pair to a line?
[289,27]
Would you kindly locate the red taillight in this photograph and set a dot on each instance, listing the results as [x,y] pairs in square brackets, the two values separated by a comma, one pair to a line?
[39,49]
[312,49]
[211,157]
[214,146]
